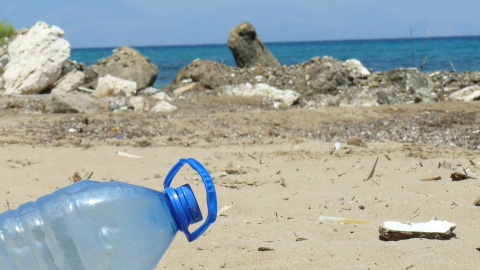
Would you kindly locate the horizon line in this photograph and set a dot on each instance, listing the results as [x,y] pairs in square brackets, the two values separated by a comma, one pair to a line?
[276,42]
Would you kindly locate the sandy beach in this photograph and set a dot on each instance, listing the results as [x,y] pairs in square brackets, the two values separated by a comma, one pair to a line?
[279,172]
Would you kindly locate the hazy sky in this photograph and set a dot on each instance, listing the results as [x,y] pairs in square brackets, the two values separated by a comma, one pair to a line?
[101,23]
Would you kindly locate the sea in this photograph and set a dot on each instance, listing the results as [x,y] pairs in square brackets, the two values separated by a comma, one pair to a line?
[434,53]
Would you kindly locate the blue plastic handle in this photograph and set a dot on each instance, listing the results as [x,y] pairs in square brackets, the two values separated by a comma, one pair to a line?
[209,187]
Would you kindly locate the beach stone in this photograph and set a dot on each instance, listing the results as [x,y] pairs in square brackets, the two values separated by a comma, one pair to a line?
[35,60]
[279,97]
[163,106]
[356,69]
[69,82]
[248,49]
[118,103]
[471,93]
[208,73]
[149,91]
[125,63]
[138,103]
[109,86]
[162,96]
[74,102]
[357,141]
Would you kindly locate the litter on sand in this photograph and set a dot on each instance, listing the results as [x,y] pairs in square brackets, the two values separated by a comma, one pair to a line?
[123,154]
[342,220]
[433,229]
[224,209]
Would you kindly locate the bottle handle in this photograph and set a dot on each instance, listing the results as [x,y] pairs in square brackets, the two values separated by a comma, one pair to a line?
[209,187]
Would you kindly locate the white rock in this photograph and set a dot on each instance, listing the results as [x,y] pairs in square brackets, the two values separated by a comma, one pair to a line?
[358,97]
[356,69]
[138,103]
[470,93]
[163,106]
[149,91]
[162,96]
[70,82]
[109,86]
[35,60]
[285,97]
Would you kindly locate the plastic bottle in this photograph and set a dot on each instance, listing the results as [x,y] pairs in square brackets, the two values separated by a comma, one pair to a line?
[102,225]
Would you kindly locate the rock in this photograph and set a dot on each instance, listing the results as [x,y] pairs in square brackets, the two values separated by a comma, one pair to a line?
[74,102]
[247,48]
[326,75]
[69,82]
[162,96]
[208,73]
[357,96]
[149,91]
[35,60]
[470,93]
[125,63]
[138,103]
[356,69]
[118,103]
[70,65]
[109,86]
[163,106]
[409,83]
[355,140]
[280,97]
[387,95]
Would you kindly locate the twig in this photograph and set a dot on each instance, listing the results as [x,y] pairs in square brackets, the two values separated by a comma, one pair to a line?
[453,67]
[411,45]
[373,171]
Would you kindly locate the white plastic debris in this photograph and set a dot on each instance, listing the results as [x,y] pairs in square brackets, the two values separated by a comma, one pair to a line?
[433,229]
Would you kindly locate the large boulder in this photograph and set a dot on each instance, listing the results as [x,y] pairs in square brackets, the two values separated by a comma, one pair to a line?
[110,86]
[125,63]
[35,60]
[74,102]
[248,49]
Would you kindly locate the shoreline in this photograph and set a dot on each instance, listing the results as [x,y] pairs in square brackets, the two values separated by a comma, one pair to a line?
[286,42]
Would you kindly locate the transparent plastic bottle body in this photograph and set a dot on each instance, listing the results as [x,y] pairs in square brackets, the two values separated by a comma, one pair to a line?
[88,225]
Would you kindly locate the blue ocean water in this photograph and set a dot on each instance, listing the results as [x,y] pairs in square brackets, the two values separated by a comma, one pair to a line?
[378,54]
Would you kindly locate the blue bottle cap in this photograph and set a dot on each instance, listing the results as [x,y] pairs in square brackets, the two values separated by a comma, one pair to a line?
[189,204]
[184,204]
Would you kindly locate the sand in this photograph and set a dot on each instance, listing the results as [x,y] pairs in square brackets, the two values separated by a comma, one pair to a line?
[277,182]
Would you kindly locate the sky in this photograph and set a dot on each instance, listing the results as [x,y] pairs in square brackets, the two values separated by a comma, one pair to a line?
[111,23]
